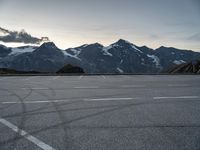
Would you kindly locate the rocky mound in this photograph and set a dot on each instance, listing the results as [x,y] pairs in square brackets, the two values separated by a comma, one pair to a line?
[187,68]
[70,69]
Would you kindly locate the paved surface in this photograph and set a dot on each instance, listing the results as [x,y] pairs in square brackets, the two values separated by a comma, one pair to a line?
[100,113]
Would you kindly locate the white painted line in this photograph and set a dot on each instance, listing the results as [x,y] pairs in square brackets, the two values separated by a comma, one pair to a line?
[87,87]
[35,88]
[24,134]
[110,99]
[39,88]
[97,99]
[35,102]
[62,101]
[26,102]
[174,85]
[132,86]
[177,97]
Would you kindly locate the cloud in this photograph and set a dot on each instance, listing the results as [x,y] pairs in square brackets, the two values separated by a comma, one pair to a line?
[19,37]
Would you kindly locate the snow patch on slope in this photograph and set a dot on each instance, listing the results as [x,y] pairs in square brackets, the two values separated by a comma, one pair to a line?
[121,61]
[120,70]
[105,50]
[20,50]
[70,55]
[156,60]
[134,47]
[75,51]
[85,45]
[178,62]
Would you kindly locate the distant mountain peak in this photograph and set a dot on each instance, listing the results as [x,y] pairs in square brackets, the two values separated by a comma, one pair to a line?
[49,45]
[145,47]
[164,48]
[122,41]
[98,44]
[125,44]
[84,45]
[2,46]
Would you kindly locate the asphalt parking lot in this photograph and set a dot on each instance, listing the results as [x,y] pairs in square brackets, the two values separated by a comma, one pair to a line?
[136,112]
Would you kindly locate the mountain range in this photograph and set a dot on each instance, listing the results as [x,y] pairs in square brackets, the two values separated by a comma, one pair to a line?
[119,57]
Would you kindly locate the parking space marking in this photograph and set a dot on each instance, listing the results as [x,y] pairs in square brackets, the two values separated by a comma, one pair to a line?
[37,88]
[174,85]
[132,86]
[27,136]
[177,97]
[86,87]
[97,99]
[110,99]
[36,102]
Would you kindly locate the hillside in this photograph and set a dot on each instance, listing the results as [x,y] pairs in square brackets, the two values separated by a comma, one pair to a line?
[187,68]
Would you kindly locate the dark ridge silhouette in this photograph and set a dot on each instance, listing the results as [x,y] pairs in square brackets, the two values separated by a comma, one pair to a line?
[12,71]
[70,69]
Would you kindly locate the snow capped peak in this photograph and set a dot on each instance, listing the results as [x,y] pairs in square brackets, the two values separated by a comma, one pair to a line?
[50,45]
[123,43]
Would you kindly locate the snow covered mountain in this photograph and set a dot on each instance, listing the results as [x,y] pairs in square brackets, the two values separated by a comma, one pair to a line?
[46,58]
[119,57]
[125,57]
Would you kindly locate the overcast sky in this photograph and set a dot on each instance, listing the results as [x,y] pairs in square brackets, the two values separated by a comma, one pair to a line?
[71,23]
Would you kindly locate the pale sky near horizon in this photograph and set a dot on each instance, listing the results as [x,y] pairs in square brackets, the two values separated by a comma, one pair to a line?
[70,23]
